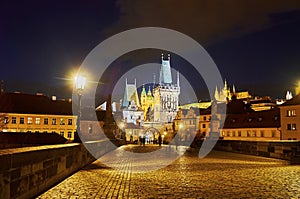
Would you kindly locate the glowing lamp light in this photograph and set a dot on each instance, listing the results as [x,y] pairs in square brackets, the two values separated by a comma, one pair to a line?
[80,82]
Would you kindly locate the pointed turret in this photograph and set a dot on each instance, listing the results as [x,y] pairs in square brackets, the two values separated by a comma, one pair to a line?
[217,97]
[233,89]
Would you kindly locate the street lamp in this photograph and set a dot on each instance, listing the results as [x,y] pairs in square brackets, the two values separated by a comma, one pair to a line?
[79,86]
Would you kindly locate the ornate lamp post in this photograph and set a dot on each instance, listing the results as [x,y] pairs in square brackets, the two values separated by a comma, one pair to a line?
[79,86]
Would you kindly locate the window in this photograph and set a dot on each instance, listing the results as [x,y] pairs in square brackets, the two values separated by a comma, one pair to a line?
[248,133]
[291,113]
[259,119]
[37,120]
[239,133]
[14,120]
[54,121]
[291,127]
[90,128]
[29,120]
[21,120]
[249,119]
[228,133]
[62,133]
[45,120]
[203,125]
[233,133]
[262,133]
[69,134]
[53,132]
[70,121]
[294,127]
[204,118]
[273,133]
[5,120]
[62,121]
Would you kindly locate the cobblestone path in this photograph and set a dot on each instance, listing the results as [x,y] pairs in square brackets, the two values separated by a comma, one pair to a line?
[219,175]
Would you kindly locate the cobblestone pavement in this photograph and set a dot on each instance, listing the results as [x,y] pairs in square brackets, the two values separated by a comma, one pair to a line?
[219,175]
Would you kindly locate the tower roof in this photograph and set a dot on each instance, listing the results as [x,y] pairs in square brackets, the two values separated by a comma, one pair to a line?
[130,94]
[165,71]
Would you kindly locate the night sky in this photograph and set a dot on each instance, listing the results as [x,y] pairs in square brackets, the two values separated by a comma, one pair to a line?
[255,44]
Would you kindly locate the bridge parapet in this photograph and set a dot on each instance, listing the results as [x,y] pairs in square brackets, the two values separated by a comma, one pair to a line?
[29,171]
[287,150]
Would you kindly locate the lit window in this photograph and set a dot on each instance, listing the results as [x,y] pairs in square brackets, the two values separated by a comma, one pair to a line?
[45,120]
[62,133]
[14,120]
[37,120]
[291,113]
[54,121]
[29,120]
[291,127]
[21,120]
[62,121]
[5,120]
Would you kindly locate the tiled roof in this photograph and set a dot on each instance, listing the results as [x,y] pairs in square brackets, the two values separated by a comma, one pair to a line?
[258,119]
[294,101]
[33,104]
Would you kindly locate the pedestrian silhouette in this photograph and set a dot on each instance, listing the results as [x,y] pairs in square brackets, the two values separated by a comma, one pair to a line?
[159,139]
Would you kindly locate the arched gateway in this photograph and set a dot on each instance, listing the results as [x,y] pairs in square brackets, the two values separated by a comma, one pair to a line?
[151,135]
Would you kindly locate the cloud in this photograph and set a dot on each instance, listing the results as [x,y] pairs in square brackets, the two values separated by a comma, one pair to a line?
[205,20]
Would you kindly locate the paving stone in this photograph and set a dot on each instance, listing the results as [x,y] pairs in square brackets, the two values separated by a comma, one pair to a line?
[219,175]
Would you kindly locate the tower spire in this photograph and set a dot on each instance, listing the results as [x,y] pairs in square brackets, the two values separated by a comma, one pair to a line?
[178,79]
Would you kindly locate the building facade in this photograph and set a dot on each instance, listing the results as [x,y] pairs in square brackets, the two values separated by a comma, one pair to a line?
[252,126]
[36,114]
[290,119]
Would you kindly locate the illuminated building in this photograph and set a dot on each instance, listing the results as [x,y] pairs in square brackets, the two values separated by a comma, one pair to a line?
[254,126]
[166,94]
[290,119]
[36,114]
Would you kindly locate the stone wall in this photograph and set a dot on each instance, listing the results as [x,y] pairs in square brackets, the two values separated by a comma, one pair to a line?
[28,172]
[287,150]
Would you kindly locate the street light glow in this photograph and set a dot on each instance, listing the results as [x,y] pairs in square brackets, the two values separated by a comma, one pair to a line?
[80,82]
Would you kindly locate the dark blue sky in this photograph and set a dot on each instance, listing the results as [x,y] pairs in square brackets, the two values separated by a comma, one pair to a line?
[255,45]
